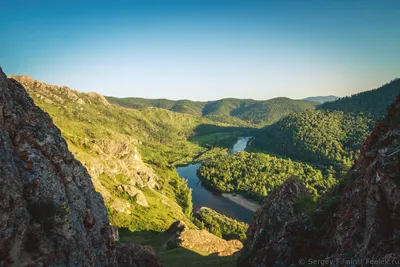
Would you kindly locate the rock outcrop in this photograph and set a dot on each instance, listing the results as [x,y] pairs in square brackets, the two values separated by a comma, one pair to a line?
[356,224]
[112,159]
[99,97]
[200,241]
[273,224]
[50,214]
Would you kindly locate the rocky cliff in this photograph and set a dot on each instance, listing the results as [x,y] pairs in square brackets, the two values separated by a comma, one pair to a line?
[357,223]
[50,214]
[109,141]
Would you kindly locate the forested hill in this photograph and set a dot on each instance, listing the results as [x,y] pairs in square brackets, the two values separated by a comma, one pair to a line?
[327,138]
[182,106]
[373,103]
[229,110]
[332,134]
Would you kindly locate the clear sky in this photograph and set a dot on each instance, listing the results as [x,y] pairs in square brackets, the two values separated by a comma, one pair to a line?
[203,49]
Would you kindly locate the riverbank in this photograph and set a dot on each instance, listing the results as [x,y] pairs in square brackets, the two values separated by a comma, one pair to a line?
[242,201]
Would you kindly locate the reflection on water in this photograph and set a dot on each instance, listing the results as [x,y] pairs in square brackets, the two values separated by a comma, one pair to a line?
[203,197]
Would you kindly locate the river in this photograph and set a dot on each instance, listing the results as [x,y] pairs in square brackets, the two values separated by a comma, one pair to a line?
[204,197]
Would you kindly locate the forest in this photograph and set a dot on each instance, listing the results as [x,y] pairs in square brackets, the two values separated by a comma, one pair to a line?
[325,138]
[220,225]
[228,111]
[255,175]
[372,103]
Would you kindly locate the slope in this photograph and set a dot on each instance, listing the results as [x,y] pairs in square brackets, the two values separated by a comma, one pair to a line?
[129,153]
[372,103]
[326,138]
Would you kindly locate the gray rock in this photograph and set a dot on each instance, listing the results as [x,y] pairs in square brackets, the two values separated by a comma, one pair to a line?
[50,213]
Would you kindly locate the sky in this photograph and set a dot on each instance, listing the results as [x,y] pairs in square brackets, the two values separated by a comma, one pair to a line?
[203,49]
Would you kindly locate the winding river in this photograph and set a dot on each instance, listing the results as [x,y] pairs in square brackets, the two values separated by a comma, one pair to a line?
[204,197]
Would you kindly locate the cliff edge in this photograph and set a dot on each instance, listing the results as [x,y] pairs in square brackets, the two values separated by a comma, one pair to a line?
[50,213]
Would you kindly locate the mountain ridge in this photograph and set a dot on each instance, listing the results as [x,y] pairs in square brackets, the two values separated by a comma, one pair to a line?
[232,111]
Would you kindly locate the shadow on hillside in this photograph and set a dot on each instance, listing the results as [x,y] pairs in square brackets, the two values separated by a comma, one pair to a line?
[210,136]
[175,257]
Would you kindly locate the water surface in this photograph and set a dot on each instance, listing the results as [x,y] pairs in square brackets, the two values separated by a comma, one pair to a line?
[206,197]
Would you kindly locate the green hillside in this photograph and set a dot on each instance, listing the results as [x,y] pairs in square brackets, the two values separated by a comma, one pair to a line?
[373,103]
[331,135]
[182,106]
[326,138]
[130,154]
[232,111]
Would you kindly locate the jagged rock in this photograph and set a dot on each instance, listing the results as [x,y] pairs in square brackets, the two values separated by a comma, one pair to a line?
[121,205]
[273,223]
[99,97]
[80,101]
[134,192]
[356,221]
[120,157]
[50,214]
[199,240]
[48,92]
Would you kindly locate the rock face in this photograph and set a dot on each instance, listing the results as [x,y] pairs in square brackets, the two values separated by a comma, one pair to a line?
[271,223]
[355,223]
[111,159]
[99,97]
[50,214]
[133,192]
[200,241]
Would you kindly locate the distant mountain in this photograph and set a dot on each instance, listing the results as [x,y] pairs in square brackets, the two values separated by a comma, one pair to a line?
[373,103]
[322,99]
[228,110]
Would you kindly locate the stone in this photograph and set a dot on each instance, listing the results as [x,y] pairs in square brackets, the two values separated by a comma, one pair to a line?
[180,235]
[50,213]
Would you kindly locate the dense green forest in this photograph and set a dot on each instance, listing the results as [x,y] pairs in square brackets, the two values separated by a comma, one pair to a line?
[239,112]
[327,138]
[254,175]
[373,103]
[220,225]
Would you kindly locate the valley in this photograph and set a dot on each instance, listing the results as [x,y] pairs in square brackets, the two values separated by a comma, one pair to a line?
[207,197]
[196,133]
[170,179]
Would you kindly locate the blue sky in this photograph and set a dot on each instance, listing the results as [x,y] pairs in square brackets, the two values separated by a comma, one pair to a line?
[204,50]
